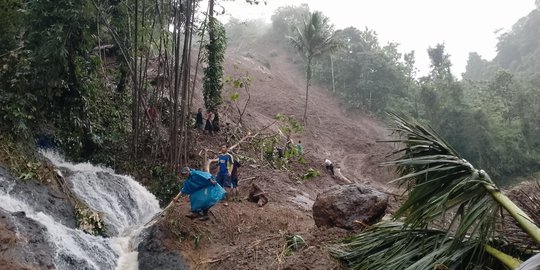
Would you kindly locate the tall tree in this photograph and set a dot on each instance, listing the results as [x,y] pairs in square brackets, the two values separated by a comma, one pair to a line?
[440,63]
[477,69]
[315,38]
[213,73]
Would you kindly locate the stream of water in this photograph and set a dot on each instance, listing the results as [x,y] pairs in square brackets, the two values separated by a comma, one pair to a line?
[126,207]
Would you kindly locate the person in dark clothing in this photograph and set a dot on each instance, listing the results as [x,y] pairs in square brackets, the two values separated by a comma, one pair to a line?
[280,152]
[209,126]
[215,123]
[234,179]
[199,124]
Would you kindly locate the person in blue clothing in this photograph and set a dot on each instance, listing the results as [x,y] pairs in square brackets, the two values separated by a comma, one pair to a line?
[203,191]
[226,165]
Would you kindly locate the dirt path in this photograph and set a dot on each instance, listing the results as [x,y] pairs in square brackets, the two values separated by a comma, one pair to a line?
[244,236]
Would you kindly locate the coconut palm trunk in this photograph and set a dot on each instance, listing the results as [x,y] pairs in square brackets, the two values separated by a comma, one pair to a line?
[315,38]
[308,84]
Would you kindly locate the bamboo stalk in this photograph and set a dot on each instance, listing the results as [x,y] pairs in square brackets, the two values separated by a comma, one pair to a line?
[507,260]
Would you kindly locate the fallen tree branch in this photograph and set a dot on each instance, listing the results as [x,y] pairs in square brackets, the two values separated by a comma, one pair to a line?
[208,161]
[229,254]
[247,179]
[341,176]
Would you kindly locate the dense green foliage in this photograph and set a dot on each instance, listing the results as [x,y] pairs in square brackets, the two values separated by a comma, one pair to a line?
[58,88]
[51,86]
[213,73]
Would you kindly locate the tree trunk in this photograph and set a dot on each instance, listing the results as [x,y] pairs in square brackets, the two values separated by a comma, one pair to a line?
[173,132]
[186,57]
[135,101]
[308,82]
[333,81]
[199,56]
[211,10]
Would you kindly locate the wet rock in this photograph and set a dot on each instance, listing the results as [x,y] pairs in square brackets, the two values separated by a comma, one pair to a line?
[154,255]
[24,243]
[42,198]
[19,214]
[348,206]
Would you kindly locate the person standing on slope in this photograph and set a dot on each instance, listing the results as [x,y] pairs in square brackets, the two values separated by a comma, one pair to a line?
[299,148]
[234,179]
[226,166]
[209,119]
[199,124]
[203,192]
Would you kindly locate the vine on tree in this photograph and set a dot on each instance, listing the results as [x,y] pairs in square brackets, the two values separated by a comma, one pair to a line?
[213,73]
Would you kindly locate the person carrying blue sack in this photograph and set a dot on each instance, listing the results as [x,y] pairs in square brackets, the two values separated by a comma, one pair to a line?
[204,192]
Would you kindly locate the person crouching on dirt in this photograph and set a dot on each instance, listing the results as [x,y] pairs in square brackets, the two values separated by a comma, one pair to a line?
[226,166]
[329,166]
[203,192]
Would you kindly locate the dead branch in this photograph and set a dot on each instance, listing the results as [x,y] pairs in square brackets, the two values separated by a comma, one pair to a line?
[341,176]
[209,161]
[247,179]
[229,254]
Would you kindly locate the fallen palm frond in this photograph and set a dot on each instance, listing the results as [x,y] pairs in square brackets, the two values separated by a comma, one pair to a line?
[440,186]
[391,246]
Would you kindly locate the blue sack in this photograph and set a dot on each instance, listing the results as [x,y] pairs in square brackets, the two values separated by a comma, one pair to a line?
[206,197]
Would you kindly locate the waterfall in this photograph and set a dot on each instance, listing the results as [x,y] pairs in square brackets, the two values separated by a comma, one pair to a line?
[125,204]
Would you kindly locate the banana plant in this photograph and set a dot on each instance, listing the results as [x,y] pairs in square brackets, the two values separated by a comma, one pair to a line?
[448,218]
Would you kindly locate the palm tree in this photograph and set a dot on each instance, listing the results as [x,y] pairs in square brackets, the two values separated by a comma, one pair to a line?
[315,38]
[448,219]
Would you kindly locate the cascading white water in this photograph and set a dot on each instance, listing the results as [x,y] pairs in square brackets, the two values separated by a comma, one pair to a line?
[126,206]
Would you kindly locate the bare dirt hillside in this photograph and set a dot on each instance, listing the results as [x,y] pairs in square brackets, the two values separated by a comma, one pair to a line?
[244,236]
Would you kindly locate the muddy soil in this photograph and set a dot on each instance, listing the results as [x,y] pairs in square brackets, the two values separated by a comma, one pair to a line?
[245,236]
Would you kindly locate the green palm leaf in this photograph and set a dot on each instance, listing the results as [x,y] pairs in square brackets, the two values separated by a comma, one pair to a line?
[449,215]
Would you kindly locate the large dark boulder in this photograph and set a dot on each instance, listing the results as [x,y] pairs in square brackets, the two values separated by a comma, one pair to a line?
[154,254]
[347,206]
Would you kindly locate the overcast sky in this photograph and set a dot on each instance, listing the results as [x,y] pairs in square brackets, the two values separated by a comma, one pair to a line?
[463,25]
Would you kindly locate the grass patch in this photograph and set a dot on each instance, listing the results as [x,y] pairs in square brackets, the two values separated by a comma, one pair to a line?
[23,161]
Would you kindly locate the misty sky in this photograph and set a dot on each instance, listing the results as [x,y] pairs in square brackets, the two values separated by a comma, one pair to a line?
[463,25]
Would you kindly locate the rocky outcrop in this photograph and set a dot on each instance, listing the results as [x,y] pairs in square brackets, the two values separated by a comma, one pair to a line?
[23,243]
[349,206]
[41,198]
[154,254]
